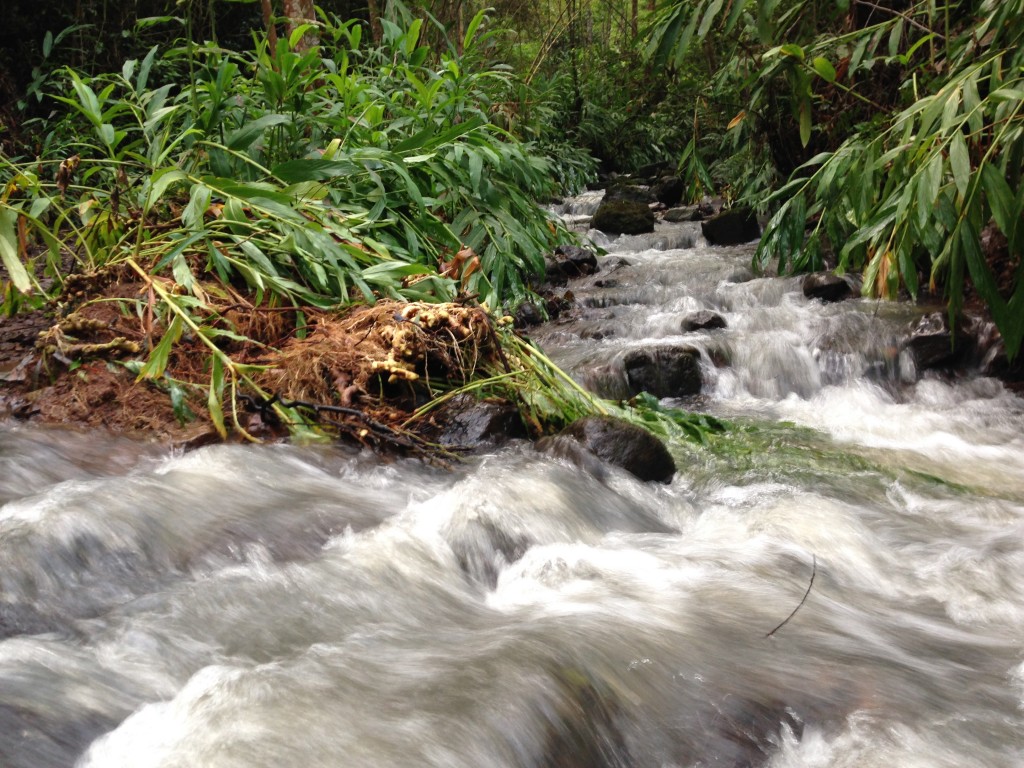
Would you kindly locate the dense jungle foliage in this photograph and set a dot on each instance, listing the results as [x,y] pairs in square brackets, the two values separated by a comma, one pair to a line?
[318,156]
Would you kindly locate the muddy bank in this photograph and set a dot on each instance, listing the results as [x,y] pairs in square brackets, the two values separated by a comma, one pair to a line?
[360,373]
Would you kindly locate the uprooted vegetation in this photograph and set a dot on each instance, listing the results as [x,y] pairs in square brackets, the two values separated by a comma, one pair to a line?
[120,350]
[364,372]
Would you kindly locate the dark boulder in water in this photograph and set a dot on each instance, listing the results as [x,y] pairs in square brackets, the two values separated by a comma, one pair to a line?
[622,217]
[731,227]
[664,371]
[472,423]
[669,191]
[826,286]
[619,443]
[935,345]
[703,320]
[685,213]
[570,261]
[584,728]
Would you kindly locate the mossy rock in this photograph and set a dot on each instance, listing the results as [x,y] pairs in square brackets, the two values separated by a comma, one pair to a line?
[623,217]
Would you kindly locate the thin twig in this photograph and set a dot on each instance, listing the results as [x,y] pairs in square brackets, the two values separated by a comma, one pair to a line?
[814,572]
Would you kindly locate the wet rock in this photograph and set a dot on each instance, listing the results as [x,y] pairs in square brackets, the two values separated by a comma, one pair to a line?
[669,191]
[615,265]
[664,371]
[996,363]
[21,619]
[471,423]
[528,314]
[556,305]
[623,217]
[933,344]
[483,549]
[584,727]
[686,213]
[553,274]
[30,738]
[594,439]
[993,360]
[826,286]
[568,448]
[628,190]
[731,227]
[703,320]
[571,261]
[741,275]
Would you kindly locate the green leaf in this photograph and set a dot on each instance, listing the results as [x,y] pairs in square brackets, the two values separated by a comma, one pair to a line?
[825,69]
[147,64]
[243,137]
[474,24]
[896,37]
[158,184]
[805,122]
[927,189]
[88,104]
[179,403]
[429,138]
[216,396]
[297,171]
[1000,200]
[157,363]
[199,201]
[793,51]
[959,162]
[476,163]
[972,104]
[709,17]
[1007,94]
[9,250]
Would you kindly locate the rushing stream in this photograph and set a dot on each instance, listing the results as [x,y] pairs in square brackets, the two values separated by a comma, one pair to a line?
[288,607]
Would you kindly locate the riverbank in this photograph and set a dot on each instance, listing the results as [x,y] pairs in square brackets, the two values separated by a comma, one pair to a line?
[362,371]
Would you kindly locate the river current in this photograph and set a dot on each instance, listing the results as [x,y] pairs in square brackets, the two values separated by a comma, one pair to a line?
[838,583]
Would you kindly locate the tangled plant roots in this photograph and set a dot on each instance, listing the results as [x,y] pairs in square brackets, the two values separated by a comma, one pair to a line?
[388,356]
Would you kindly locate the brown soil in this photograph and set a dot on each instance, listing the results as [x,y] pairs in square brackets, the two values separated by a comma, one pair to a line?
[359,373]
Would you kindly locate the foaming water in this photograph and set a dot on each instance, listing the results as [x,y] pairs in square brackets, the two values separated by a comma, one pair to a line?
[840,583]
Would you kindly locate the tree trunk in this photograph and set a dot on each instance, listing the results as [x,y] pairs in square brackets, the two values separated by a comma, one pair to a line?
[374,12]
[299,12]
[268,22]
[634,18]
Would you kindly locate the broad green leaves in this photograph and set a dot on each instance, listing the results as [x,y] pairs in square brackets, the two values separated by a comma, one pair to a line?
[9,251]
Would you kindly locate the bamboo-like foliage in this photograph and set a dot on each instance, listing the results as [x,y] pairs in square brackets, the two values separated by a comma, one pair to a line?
[914,197]
[934,160]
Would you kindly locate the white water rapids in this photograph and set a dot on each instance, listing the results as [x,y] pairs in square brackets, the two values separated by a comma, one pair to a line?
[280,607]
